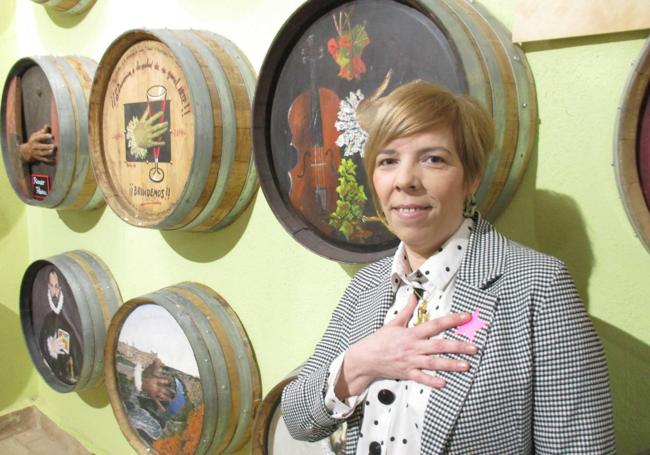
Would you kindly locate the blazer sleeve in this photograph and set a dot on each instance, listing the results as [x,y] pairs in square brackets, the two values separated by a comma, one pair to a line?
[572,409]
[303,400]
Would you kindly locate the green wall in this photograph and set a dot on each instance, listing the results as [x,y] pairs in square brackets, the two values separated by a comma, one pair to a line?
[568,205]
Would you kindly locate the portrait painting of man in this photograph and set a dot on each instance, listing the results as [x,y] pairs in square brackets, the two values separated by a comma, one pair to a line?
[56,322]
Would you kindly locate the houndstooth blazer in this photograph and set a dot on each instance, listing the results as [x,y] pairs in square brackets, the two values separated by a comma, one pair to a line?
[538,384]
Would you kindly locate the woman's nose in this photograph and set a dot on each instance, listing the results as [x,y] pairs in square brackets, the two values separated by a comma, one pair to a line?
[406,178]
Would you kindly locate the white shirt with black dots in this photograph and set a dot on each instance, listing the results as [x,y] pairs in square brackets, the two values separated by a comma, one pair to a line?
[394,409]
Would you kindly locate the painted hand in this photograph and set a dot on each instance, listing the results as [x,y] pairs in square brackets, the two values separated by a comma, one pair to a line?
[38,148]
[155,385]
[55,347]
[142,133]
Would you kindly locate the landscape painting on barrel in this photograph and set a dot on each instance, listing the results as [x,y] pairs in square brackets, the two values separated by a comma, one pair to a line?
[158,381]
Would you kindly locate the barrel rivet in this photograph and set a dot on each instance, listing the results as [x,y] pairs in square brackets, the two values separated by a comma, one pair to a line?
[524,105]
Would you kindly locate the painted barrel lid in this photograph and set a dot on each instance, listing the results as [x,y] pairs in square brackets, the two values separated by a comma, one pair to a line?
[66,303]
[271,436]
[68,7]
[632,147]
[170,120]
[180,373]
[343,55]
[52,91]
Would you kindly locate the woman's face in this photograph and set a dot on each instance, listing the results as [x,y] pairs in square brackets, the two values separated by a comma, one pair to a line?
[420,184]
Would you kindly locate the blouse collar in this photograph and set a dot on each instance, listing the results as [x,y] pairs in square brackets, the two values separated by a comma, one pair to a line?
[438,270]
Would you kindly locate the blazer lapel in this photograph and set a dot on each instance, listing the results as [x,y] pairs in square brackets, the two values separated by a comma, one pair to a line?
[482,265]
[372,305]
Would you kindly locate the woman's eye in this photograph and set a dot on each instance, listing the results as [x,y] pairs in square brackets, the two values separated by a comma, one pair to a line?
[386,162]
[434,159]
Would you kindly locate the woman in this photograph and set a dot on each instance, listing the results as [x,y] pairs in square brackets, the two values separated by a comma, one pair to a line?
[463,341]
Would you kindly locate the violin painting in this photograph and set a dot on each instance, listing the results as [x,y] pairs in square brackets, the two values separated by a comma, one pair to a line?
[312,116]
[310,163]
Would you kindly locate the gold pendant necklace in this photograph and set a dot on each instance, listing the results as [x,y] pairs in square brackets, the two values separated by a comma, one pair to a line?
[423,306]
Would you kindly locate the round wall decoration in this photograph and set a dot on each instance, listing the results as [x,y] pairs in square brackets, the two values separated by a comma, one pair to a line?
[632,147]
[271,436]
[170,120]
[49,95]
[66,303]
[180,373]
[68,7]
[328,62]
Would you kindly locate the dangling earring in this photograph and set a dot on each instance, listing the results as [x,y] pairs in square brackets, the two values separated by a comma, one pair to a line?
[470,206]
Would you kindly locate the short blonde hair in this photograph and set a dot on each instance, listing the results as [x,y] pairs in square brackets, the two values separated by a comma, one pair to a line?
[421,106]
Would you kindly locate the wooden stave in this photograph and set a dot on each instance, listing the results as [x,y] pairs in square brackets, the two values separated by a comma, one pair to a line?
[224,151]
[247,369]
[96,284]
[625,144]
[73,266]
[503,101]
[70,133]
[228,389]
[103,289]
[514,62]
[83,187]
[211,414]
[110,376]
[211,218]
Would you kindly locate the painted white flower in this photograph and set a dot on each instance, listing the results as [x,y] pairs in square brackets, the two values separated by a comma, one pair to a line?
[135,150]
[352,136]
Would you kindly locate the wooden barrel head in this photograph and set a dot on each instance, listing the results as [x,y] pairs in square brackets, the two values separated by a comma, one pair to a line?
[156,390]
[271,436]
[49,91]
[170,118]
[148,130]
[181,339]
[325,67]
[52,325]
[66,302]
[632,147]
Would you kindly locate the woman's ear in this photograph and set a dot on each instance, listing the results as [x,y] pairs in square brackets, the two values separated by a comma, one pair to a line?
[473,186]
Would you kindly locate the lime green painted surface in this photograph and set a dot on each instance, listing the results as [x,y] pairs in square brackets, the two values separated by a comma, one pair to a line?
[567,205]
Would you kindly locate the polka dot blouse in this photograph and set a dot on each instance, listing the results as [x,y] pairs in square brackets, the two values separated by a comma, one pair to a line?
[393,410]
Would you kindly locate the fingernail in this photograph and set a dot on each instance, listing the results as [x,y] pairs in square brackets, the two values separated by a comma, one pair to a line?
[464,365]
[473,349]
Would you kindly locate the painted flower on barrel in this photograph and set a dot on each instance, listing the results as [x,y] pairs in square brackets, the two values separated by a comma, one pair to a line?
[346,50]
[142,133]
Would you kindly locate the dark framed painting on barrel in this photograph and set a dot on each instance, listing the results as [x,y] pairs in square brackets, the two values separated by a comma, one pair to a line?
[323,71]
[632,147]
[66,302]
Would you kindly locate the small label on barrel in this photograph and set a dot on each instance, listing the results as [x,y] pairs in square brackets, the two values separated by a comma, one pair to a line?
[148,125]
[40,186]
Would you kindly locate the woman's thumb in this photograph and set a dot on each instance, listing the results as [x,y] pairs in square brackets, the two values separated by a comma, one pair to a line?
[404,316]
